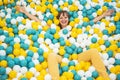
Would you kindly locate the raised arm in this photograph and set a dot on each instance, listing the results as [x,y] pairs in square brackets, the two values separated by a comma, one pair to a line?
[107,13]
[22,9]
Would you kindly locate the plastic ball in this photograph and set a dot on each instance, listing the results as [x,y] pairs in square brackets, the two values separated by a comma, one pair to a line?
[95,74]
[29,74]
[93,40]
[3,53]
[117,56]
[23,70]
[16,68]
[65,68]
[2,70]
[81,73]
[111,61]
[11,63]
[12,74]
[48,77]
[118,76]
[88,74]
[8,69]
[112,76]
[23,63]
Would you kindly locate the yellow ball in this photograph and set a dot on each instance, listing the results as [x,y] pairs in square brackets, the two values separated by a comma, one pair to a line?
[62,52]
[40,77]
[32,5]
[101,41]
[63,64]
[56,36]
[16,52]
[96,1]
[45,55]
[1,3]
[41,36]
[55,13]
[12,74]
[72,68]
[74,56]
[17,45]
[74,34]
[11,55]
[24,21]
[85,19]
[50,0]
[3,63]
[49,6]
[5,1]
[100,78]
[71,8]
[77,20]
[38,7]
[118,14]
[104,8]
[29,1]
[11,34]
[116,18]
[72,23]
[43,72]
[78,67]
[113,47]
[29,74]
[99,12]
[66,4]
[79,31]
[118,4]
[56,21]
[44,65]
[67,42]
[63,78]
[49,22]
[38,67]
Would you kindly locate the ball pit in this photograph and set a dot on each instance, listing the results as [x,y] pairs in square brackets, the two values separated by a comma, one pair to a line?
[25,44]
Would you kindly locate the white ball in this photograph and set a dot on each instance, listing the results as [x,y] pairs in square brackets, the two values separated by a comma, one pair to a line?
[2,38]
[37,74]
[91,31]
[57,45]
[83,78]
[33,70]
[19,74]
[110,66]
[94,14]
[19,19]
[14,79]
[88,74]
[53,26]
[48,77]
[40,40]
[16,68]
[23,70]
[103,47]
[2,53]
[38,2]
[112,76]
[117,56]
[111,61]
[81,73]
[21,57]
[80,7]
[2,14]
[91,68]
[35,56]
[105,37]
[72,40]
[18,3]
[35,61]
[75,61]
[17,40]
[27,41]
[13,21]
[65,60]
[56,50]
[106,63]
[21,27]
[55,6]
[4,45]
[48,14]
[9,10]
[43,23]
[61,2]
[88,6]
[48,41]
[41,17]
[105,56]
[33,78]
[8,69]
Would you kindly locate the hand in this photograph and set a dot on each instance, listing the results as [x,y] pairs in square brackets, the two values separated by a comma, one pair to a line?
[109,12]
[21,9]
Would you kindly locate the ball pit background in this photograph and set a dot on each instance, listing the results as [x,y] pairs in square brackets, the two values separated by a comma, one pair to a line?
[25,44]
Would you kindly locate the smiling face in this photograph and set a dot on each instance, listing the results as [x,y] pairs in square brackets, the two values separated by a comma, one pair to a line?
[63,19]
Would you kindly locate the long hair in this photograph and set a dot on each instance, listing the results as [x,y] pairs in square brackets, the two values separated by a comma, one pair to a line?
[63,12]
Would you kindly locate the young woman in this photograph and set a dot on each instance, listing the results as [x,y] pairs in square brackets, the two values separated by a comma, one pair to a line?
[89,55]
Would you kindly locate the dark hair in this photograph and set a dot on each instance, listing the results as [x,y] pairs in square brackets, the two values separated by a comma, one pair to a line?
[62,12]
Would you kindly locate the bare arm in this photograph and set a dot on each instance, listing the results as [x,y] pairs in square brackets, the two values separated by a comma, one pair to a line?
[107,13]
[22,9]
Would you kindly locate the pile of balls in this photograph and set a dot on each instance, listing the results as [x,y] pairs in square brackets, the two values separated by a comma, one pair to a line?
[26,44]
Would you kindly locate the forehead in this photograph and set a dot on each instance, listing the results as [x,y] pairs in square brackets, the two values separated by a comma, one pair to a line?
[63,14]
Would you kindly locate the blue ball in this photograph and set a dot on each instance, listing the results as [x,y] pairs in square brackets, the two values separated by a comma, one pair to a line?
[77,77]
[31,64]
[60,71]
[17,61]
[54,41]
[79,50]
[73,46]
[1,47]
[15,31]
[110,53]
[28,32]
[117,61]
[62,43]
[8,20]
[79,26]
[24,46]
[1,32]
[4,77]
[94,40]
[40,51]
[74,72]
[91,23]
[2,71]
[51,17]
[66,55]
[41,59]
[11,63]
[71,63]
[69,50]
[107,43]
[23,78]
[8,58]
[90,78]
[71,19]
[65,68]
[28,59]
[23,63]
[105,32]
[65,31]
[36,44]
[52,31]
[85,24]
[118,76]
[95,74]
[75,15]
[34,38]
[61,39]
[118,44]
[83,2]
[9,49]
[30,53]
